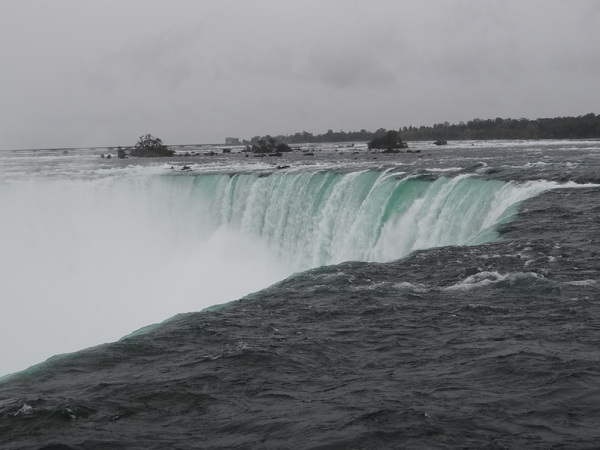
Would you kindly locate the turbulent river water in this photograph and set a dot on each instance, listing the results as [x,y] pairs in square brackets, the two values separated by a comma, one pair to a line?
[443,298]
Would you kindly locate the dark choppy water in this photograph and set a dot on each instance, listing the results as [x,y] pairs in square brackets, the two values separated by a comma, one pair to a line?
[488,346]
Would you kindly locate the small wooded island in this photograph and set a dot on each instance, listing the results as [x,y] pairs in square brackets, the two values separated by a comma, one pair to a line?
[268,145]
[147,146]
[390,142]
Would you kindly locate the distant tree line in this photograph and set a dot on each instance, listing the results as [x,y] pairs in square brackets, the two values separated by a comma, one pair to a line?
[581,127]
[305,137]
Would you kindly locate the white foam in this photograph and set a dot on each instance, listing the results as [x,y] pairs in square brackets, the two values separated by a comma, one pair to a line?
[478,280]
[583,283]
[483,279]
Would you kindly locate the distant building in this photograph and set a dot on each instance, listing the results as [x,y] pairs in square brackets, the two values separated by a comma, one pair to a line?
[232,141]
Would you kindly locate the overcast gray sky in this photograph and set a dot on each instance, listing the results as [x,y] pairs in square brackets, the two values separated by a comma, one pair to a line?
[79,73]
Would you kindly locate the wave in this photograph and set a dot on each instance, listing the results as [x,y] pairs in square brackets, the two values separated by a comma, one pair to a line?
[483,279]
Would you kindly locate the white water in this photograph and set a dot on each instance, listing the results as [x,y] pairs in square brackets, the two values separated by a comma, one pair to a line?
[88,260]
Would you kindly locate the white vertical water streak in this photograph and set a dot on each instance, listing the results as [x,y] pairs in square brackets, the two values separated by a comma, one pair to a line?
[362,233]
[335,216]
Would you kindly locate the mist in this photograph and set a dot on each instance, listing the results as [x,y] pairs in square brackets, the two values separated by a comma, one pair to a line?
[88,262]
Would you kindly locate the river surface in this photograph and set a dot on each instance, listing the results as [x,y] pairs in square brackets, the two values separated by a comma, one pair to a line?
[445,298]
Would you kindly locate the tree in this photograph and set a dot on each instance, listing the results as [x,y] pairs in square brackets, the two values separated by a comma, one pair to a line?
[149,146]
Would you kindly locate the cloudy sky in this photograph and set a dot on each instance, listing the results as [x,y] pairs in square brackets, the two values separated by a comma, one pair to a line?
[81,73]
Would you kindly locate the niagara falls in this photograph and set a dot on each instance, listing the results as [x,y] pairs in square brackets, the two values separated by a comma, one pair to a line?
[242,265]
[277,225]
